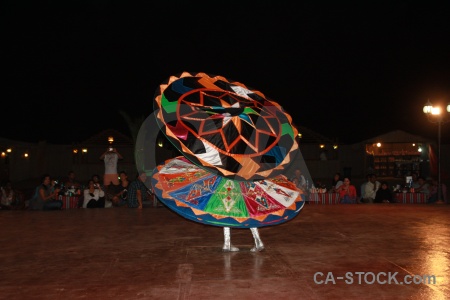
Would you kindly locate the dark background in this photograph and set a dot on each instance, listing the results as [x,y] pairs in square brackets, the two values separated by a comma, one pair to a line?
[347,71]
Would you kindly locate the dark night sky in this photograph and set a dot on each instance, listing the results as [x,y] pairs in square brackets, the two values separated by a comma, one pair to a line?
[347,71]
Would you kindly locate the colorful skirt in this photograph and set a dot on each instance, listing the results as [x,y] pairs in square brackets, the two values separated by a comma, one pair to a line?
[208,198]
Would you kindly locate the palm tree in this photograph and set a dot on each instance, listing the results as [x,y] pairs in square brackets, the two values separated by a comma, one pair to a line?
[134,124]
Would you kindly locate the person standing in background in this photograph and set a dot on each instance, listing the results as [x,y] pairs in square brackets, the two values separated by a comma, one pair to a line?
[111,156]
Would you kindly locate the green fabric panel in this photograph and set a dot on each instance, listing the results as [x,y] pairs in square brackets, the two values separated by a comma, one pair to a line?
[216,204]
[169,107]
[286,128]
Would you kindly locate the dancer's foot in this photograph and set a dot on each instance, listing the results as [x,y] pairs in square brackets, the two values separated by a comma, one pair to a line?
[230,248]
[257,249]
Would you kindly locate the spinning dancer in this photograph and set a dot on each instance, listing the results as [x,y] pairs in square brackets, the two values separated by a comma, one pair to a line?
[235,145]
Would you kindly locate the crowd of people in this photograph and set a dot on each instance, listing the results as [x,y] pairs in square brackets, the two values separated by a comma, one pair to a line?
[94,194]
[373,190]
[115,190]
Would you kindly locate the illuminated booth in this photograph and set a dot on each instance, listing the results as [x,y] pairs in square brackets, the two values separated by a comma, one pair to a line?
[397,154]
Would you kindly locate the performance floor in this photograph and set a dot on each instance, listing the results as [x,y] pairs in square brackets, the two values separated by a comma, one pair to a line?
[326,252]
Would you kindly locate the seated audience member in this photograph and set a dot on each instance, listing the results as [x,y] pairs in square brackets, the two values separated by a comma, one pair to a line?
[94,196]
[137,191]
[8,196]
[415,182]
[71,183]
[119,195]
[370,189]
[12,197]
[99,182]
[347,192]
[423,186]
[300,181]
[336,182]
[384,194]
[46,195]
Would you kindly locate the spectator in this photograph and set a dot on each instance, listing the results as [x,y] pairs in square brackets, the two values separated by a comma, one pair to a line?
[137,191]
[299,180]
[384,194]
[46,195]
[336,182]
[70,186]
[111,176]
[71,181]
[415,182]
[9,197]
[423,186]
[347,192]
[119,194]
[97,181]
[370,189]
[94,196]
